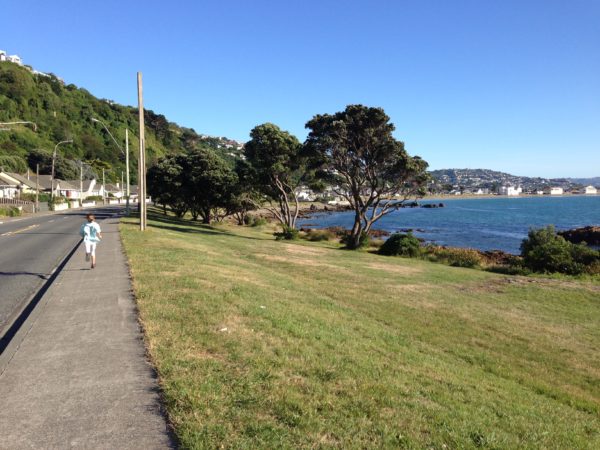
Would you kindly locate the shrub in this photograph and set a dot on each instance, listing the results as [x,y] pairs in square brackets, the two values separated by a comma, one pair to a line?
[42,197]
[254,221]
[545,251]
[10,211]
[320,235]
[288,234]
[399,244]
[346,239]
[259,222]
[457,257]
[55,201]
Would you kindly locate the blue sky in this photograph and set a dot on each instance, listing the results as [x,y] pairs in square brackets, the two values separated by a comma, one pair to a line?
[500,84]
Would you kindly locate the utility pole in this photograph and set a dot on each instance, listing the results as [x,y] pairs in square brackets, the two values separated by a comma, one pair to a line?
[142,158]
[103,189]
[121,187]
[127,169]
[37,188]
[81,183]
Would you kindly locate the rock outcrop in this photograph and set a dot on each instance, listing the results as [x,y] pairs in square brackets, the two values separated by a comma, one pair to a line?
[590,235]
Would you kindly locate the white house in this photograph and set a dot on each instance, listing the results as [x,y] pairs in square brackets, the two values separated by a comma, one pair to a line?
[556,191]
[591,190]
[510,190]
[2,55]
[305,194]
[15,59]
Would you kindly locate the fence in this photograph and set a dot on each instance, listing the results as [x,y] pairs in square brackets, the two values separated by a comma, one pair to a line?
[24,205]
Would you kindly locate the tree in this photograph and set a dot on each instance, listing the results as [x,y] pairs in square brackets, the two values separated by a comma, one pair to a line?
[209,184]
[356,152]
[279,167]
[165,180]
[243,195]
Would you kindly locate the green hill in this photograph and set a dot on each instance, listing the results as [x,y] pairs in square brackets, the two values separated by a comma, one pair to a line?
[64,112]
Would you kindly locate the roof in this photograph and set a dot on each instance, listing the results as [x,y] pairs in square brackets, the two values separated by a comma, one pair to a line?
[66,186]
[6,180]
[112,188]
[85,184]
[45,181]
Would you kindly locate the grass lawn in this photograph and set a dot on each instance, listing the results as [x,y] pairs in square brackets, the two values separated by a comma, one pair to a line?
[265,344]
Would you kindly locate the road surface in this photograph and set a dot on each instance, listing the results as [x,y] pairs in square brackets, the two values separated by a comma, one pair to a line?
[30,249]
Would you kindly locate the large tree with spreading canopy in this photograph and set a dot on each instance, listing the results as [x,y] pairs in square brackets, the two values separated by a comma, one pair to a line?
[358,155]
[279,168]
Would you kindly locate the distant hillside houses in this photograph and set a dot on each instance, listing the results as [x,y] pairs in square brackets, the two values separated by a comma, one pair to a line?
[16,59]
[510,190]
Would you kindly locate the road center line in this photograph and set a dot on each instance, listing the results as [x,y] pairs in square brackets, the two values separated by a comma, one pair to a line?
[10,233]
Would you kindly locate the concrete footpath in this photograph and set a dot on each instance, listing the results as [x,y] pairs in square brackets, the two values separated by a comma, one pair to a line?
[80,378]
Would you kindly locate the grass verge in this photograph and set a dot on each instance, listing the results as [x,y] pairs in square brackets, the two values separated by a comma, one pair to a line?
[266,344]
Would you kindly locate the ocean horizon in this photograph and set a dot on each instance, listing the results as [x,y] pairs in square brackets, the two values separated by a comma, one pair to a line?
[491,223]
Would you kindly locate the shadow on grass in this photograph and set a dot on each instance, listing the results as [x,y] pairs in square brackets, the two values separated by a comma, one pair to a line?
[172,223]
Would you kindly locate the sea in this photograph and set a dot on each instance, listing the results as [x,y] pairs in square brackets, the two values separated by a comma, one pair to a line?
[496,223]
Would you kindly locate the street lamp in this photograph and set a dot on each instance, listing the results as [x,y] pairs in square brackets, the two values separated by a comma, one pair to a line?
[126,153]
[68,141]
[21,122]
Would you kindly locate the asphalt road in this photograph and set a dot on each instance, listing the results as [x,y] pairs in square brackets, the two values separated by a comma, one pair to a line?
[30,249]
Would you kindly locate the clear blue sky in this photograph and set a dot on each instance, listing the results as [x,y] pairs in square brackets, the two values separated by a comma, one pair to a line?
[510,85]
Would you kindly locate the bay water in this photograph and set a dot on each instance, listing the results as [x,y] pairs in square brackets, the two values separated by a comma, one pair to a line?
[497,223]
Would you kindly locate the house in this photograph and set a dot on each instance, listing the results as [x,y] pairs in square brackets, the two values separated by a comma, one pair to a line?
[14,59]
[23,184]
[556,191]
[115,190]
[9,187]
[511,191]
[2,55]
[68,189]
[481,191]
[305,194]
[591,190]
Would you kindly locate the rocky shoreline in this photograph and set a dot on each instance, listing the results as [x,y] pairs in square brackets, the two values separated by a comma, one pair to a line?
[590,235]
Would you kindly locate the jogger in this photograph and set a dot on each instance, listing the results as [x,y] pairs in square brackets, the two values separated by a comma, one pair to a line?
[91,233]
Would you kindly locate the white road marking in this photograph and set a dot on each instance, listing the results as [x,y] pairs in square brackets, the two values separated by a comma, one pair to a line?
[10,233]
[50,221]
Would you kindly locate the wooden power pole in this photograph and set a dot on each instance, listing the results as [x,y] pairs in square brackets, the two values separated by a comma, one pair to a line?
[37,188]
[142,157]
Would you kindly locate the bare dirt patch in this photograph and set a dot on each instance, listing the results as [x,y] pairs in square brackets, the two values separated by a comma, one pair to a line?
[393,268]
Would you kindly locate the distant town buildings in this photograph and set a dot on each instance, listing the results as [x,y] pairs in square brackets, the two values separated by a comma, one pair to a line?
[591,190]
[556,191]
[511,191]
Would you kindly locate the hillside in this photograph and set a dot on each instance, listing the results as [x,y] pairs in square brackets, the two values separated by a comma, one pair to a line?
[64,112]
[490,179]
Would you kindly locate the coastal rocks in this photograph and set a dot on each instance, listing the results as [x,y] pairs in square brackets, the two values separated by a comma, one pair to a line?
[411,230]
[416,205]
[590,235]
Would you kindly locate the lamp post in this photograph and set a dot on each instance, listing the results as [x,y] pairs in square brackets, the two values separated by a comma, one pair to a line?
[126,153]
[68,141]
[21,122]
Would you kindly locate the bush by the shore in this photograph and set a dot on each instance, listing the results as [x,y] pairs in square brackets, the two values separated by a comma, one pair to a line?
[545,251]
[400,244]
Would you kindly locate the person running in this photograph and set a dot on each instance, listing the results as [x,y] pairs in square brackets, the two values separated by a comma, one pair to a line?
[91,233]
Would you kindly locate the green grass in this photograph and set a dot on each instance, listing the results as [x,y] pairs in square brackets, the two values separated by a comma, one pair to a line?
[265,344]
